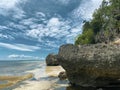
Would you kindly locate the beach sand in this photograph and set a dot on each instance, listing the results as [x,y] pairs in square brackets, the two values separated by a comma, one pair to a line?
[50,71]
[53,71]
[33,85]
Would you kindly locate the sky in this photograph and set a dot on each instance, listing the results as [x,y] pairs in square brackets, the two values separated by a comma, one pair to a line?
[31,29]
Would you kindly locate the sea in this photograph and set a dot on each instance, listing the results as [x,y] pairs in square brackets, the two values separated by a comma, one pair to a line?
[44,78]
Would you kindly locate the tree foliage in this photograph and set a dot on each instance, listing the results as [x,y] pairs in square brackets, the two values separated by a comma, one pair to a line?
[105,25]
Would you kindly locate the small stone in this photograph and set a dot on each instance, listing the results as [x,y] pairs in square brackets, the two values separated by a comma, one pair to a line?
[62,75]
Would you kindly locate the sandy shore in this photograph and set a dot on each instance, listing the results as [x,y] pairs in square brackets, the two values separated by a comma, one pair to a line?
[12,80]
[33,85]
[53,70]
[50,71]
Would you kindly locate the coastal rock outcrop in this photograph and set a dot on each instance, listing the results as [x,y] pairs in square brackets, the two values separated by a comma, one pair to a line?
[95,65]
[51,60]
[62,75]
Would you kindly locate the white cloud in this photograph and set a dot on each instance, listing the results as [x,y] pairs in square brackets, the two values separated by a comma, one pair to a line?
[19,47]
[74,33]
[54,28]
[29,21]
[53,22]
[51,44]
[16,26]
[8,7]
[15,56]
[86,9]
[8,4]
[18,13]
[40,14]
[61,30]
[2,36]
[3,27]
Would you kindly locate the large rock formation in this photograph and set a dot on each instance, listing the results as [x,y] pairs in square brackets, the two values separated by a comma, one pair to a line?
[51,60]
[91,65]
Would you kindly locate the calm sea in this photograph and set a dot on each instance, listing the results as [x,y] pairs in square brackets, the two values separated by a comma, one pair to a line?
[19,67]
[40,80]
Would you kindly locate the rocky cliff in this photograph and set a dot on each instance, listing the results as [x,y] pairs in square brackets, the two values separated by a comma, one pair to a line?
[91,65]
[51,60]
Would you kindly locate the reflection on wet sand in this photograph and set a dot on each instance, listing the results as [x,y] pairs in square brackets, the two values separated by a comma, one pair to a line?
[12,80]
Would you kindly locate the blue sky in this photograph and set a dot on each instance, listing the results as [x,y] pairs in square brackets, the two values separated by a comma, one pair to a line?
[31,29]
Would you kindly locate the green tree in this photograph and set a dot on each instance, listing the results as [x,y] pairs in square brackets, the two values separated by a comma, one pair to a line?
[105,25]
[85,38]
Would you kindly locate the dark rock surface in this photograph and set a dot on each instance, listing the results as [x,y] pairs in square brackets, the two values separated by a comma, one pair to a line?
[91,65]
[51,60]
[62,75]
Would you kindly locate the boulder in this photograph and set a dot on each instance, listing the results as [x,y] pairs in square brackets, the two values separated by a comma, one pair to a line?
[51,60]
[95,65]
[62,75]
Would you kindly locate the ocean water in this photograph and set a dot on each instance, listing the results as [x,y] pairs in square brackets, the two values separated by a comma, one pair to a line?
[18,67]
[45,78]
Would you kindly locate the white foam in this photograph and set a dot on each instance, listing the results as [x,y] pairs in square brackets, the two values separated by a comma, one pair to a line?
[46,71]
[38,73]
[43,84]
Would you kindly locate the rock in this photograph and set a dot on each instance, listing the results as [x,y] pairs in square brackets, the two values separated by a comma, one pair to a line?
[51,60]
[95,65]
[62,75]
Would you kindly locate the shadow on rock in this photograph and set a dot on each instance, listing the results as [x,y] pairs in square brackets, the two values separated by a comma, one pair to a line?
[92,88]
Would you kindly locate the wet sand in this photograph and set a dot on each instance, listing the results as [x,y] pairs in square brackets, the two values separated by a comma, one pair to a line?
[50,71]
[33,85]
[12,80]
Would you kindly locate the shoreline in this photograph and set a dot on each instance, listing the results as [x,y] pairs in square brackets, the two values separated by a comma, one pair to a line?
[43,84]
[9,81]
[43,79]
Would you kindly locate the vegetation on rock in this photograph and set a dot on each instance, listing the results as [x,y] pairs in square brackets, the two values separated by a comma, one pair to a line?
[105,25]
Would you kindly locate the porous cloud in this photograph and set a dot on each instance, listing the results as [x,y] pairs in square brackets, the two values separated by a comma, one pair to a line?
[55,28]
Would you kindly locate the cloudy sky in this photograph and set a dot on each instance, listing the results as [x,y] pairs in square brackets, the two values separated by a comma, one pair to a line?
[31,29]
